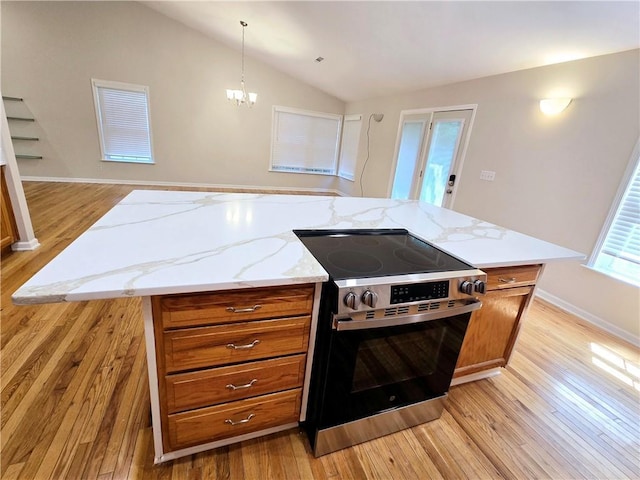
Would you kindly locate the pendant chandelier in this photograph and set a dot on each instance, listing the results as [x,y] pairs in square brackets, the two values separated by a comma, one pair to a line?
[241,97]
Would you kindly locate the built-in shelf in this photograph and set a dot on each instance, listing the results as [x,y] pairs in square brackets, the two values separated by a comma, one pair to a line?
[25,138]
[22,138]
[24,119]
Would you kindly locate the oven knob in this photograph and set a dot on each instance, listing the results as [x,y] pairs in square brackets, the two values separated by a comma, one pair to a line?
[466,287]
[479,286]
[369,298]
[351,300]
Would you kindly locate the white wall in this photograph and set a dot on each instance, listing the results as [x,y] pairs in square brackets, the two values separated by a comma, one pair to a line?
[555,176]
[51,50]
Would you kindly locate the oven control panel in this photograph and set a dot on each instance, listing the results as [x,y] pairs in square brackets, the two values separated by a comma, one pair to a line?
[416,292]
[368,294]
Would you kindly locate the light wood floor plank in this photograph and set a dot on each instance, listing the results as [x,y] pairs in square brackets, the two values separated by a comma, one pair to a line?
[453,451]
[76,405]
[57,363]
[75,398]
[300,456]
[579,411]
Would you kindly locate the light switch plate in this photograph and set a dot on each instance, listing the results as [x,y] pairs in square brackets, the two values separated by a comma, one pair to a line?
[487,175]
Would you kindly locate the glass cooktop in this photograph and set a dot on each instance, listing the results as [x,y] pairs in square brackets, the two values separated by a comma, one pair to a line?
[346,254]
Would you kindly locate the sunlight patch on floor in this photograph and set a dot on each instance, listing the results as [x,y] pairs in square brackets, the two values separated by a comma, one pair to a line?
[615,365]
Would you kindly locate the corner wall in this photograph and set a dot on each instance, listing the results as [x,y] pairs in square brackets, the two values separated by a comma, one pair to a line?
[555,176]
[51,50]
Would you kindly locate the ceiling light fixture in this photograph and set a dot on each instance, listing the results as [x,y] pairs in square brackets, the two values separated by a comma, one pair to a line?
[553,106]
[241,97]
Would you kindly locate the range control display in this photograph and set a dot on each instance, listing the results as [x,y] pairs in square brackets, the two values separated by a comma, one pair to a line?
[416,292]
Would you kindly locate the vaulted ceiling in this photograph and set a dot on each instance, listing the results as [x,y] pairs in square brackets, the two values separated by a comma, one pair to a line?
[376,48]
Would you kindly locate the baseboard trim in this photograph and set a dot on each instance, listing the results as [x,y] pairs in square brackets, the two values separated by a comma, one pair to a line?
[23,246]
[216,186]
[589,317]
[472,377]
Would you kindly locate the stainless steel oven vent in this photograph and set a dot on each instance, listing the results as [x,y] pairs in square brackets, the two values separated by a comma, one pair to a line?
[391,312]
[425,307]
[401,310]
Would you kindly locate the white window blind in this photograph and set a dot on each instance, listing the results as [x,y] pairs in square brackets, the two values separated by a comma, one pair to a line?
[122,111]
[304,141]
[617,252]
[349,146]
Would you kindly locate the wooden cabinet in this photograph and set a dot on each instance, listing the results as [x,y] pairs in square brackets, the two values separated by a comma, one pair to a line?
[8,229]
[205,425]
[225,384]
[230,363]
[493,329]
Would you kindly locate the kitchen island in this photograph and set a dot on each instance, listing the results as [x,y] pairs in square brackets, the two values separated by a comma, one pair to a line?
[173,248]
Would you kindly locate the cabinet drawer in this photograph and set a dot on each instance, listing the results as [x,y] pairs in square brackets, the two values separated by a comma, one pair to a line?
[209,424]
[507,277]
[239,342]
[233,306]
[225,384]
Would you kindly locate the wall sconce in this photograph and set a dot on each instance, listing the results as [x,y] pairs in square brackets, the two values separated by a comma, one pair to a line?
[553,106]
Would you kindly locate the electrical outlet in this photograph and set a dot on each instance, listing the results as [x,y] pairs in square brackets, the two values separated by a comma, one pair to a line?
[487,175]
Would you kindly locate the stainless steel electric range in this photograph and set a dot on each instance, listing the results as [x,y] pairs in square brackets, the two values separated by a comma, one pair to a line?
[391,323]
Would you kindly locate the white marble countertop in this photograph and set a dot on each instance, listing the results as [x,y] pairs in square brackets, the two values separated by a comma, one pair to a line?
[160,242]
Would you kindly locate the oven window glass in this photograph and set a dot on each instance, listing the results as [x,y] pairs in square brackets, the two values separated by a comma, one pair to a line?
[370,371]
[395,359]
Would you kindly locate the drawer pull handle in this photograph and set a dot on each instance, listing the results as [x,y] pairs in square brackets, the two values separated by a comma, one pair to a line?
[233,346]
[507,280]
[231,386]
[232,423]
[244,310]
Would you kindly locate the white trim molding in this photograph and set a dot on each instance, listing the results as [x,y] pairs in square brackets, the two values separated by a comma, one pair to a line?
[25,246]
[462,148]
[27,239]
[589,317]
[217,186]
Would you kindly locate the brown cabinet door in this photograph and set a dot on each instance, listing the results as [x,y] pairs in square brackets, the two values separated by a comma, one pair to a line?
[8,228]
[201,347]
[492,330]
[196,427]
[179,311]
[509,277]
[234,382]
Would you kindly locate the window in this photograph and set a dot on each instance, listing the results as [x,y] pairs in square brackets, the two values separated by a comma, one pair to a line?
[617,252]
[122,111]
[304,141]
[349,146]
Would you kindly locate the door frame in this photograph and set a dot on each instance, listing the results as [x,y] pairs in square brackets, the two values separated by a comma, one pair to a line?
[432,110]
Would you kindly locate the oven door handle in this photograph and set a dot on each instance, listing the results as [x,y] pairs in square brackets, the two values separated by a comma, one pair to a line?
[344,325]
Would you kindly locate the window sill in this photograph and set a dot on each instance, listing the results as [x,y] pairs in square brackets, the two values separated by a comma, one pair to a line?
[613,276]
[140,162]
[308,172]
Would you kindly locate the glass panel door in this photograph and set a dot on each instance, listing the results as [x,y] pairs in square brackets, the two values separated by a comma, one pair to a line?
[411,140]
[443,147]
[429,161]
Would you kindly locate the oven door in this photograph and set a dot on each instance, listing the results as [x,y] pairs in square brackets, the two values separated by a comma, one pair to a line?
[371,370]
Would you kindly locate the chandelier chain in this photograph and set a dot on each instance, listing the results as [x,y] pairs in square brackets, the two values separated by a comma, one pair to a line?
[244,25]
[240,97]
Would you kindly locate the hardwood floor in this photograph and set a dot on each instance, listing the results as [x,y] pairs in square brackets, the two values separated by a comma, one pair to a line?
[75,398]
